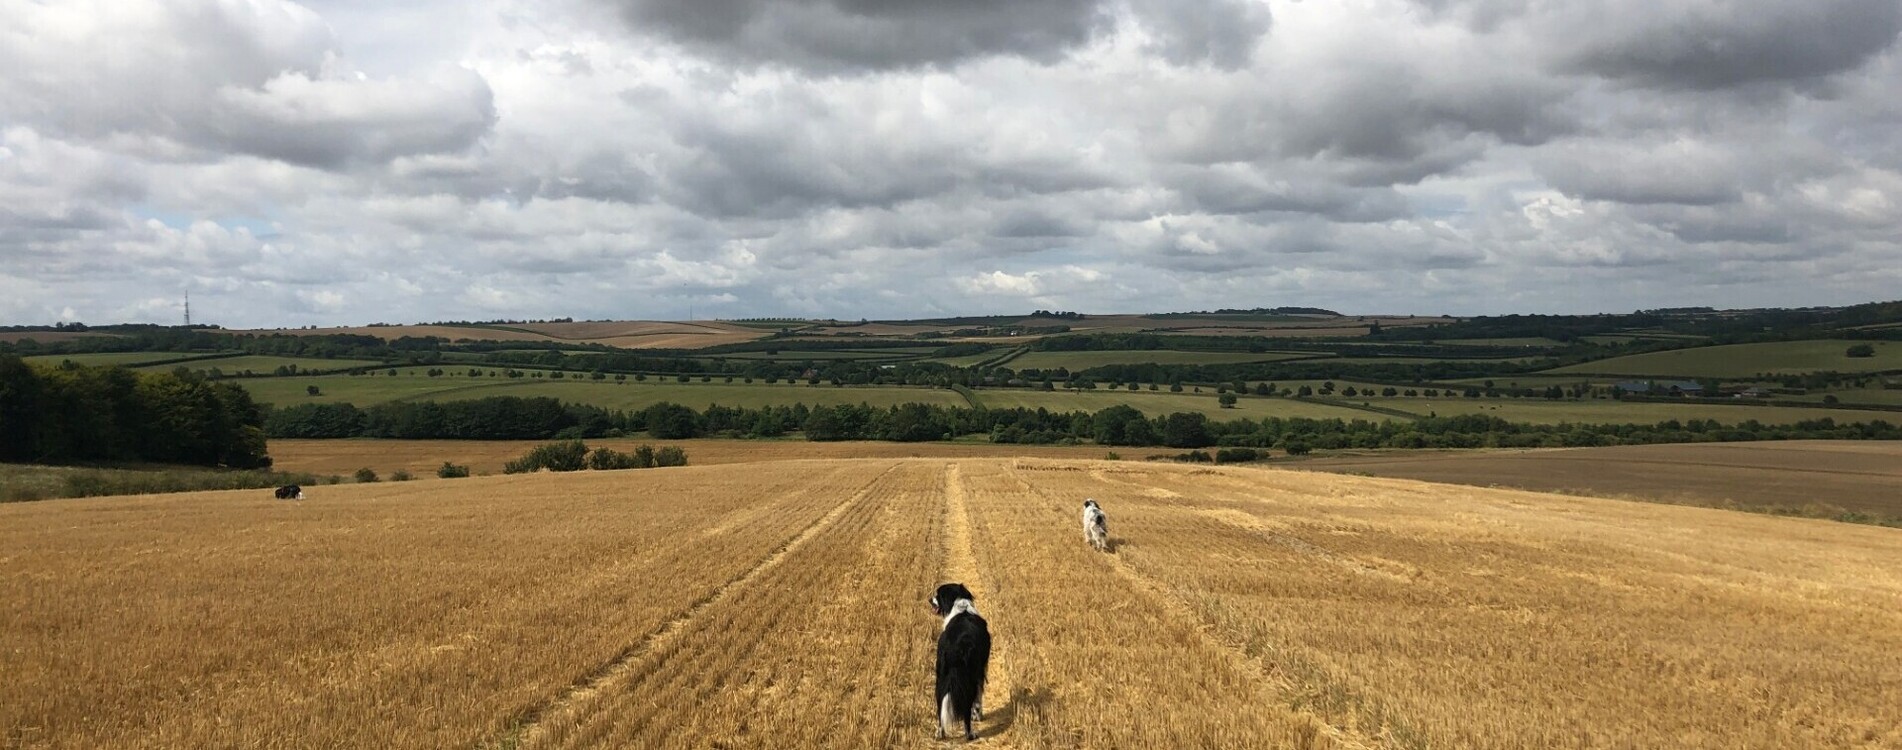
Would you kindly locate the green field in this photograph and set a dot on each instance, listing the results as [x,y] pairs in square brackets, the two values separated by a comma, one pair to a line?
[828,355]
[1084,360]
[262,364]
[112,358]
[1746,360]
[970,360]
[1427,360]
[1874,394]
[368,390]
[1527,341]
[1159,403]
[1527,380]
[1607,411]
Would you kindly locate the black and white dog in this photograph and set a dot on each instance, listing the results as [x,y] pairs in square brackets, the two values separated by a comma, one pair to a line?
[964,656]
[290,492]
[1095,525]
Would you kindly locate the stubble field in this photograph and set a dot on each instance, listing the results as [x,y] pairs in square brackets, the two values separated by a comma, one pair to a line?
[782,604]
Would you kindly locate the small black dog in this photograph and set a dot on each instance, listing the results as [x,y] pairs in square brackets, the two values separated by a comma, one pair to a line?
[290,492]
[964,656]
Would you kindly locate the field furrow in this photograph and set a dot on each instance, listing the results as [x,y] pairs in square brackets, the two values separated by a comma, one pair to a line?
[1491,621]
[827,645]
[170,622]
[1095,660]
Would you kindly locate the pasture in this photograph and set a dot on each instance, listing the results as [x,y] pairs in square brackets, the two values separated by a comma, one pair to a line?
[264,364]
[629,334]
[782,604]
[1809,477]
[1611,411]
[1158,403]
[1075,361]
[105,359]
[1747,360]
[365,390]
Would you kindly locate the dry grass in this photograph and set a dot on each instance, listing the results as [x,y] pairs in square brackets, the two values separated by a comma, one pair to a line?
[783,604]
[422,457]
[632,334]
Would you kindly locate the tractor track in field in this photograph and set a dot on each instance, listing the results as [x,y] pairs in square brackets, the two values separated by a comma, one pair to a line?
[531,729]
[961,566]
[1274,683]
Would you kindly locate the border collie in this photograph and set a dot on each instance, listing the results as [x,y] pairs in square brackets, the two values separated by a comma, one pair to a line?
[964,657]
[1095,525]
[290,492]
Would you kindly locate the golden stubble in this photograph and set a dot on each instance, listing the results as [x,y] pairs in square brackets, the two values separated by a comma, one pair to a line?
[783,604]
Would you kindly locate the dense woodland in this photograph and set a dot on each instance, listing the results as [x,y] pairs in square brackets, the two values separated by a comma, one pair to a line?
[80,414]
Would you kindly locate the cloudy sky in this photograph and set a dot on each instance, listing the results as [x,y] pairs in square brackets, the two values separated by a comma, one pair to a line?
[350,161]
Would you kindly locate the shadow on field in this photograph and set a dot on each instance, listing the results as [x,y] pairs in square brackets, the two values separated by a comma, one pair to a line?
[1023,698]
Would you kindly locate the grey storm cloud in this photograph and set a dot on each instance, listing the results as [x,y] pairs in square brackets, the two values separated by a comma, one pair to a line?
[342,161]
[845,35]
[1709,44]
[868,33]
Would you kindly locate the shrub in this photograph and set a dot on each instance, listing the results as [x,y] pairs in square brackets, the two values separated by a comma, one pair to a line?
[571,455]
[366,474]
[1236,455]
[452,471]
[608,459]
[1297,448]
[1861,350]
[400,475]
[670,456]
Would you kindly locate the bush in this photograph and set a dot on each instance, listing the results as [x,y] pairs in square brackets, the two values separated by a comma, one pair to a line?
[571,455]
[670,456]
[452,471]
[366,474]
[608,459]
[1236,455]
[1297,448]
[1194,457]
[1861,350]
[400,475]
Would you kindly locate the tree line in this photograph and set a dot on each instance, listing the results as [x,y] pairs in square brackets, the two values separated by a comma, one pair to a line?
[77,414]
[507,417]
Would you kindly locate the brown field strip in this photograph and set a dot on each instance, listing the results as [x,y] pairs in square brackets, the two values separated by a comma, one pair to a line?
[422,457]
[783,604]
[1820,477]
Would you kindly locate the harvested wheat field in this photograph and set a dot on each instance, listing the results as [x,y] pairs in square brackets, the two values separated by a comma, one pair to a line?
[421,458]
[783,605]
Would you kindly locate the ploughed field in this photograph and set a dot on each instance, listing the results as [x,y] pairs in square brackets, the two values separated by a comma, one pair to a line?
[1808,476]
[783,604]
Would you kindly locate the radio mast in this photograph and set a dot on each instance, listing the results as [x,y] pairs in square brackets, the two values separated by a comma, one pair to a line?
[188,309]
